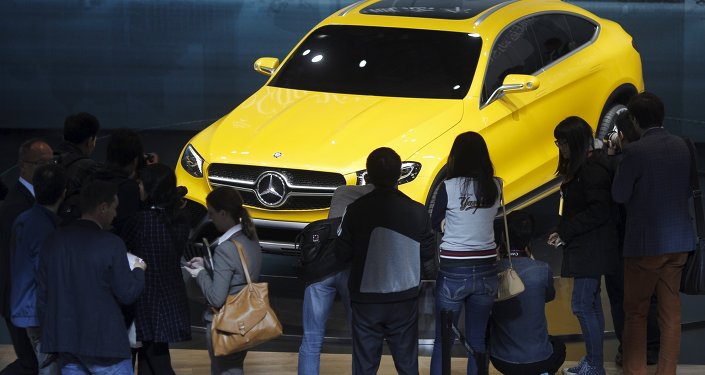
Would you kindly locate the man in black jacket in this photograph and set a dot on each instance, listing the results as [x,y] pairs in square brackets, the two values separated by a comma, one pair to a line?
[385,235]
[80,135]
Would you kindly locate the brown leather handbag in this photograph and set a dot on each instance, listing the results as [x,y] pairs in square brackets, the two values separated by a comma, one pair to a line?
[246,319]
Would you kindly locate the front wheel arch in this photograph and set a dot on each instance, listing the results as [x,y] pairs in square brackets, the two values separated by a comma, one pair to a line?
[613,105]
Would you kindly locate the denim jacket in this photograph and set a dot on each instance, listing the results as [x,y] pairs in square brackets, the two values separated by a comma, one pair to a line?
[518,328]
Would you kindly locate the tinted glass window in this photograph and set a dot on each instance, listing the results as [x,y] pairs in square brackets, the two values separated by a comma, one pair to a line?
[552,37]
[445,9]
[514,52]
[383,61]
[581,30]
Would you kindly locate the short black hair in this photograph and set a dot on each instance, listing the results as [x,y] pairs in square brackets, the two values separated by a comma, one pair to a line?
[79,127]
[95,193]
[647,109]
[123,147]
[521,230]
[383,167]
[626,126]
[49,183]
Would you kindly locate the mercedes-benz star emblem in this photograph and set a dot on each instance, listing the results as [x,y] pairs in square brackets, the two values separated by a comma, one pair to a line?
[271,189]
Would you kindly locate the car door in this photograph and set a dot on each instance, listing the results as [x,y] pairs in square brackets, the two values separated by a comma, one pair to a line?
[520,126]
[515,144]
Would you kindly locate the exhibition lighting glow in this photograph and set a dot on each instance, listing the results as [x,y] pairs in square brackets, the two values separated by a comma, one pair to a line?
[409,171]
[192,162]
[363,63]
[317,58]
[306,52]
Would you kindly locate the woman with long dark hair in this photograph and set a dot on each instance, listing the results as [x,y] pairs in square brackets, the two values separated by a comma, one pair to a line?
[226,276]
[465,208]
[157,233]
[587,232]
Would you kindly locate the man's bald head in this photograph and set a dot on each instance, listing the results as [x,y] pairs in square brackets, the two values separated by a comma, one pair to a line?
[32,154]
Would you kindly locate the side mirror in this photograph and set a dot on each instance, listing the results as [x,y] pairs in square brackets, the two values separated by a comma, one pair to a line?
[514,83]
[519,83]
[266,65]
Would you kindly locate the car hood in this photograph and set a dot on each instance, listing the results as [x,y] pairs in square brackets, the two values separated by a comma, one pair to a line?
[299,129]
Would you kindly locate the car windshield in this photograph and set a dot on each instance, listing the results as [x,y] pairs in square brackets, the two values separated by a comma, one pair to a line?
[383,61]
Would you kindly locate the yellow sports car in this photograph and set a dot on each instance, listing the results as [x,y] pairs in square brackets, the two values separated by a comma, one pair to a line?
[411,75]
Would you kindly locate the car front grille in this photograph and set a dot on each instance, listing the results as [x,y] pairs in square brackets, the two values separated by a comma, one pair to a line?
[305,190]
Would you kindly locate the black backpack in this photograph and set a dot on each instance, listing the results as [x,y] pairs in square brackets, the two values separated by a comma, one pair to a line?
[316,244]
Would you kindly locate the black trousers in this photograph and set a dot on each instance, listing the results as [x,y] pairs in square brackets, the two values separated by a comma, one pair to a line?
[550,365]
[153,359]
[26,363]
[395,322]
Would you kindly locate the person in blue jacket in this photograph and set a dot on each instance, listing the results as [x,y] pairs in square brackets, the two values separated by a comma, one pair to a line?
[30,230]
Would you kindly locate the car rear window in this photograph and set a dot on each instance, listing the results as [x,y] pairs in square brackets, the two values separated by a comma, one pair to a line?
[383,61]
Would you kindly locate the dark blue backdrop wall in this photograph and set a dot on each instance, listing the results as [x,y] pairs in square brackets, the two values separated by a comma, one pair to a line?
[183,63]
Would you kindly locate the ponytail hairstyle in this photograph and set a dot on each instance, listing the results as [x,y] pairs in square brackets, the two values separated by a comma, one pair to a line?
[228,199]
[470,158]
[577,135]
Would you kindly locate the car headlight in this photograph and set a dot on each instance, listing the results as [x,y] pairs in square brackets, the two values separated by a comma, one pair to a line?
[192,162]
[409,171]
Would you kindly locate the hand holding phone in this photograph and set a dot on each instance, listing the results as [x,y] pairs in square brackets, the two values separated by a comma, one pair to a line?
[555,240]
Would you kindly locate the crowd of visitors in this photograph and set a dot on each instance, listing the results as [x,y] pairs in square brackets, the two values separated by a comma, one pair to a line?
[97,249]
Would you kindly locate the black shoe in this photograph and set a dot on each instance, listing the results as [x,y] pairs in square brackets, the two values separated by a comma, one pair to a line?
[618,359]
[651,358]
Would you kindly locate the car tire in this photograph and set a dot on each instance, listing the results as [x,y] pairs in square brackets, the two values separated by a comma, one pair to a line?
[607,122]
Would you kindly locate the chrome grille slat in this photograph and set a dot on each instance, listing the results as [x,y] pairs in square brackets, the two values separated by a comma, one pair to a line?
[307,190]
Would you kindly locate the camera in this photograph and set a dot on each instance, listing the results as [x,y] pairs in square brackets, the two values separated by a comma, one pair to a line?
[612,139]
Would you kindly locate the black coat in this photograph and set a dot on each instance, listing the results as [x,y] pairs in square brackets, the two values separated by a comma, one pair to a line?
[588,223]
[18,200]
[161,312]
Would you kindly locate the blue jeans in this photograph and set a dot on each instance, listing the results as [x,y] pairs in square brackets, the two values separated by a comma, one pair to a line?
[475,288]
[318,300]
[587,307]
[84,365]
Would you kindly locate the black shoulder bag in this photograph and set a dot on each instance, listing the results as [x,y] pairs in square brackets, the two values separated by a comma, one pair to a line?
[693,277]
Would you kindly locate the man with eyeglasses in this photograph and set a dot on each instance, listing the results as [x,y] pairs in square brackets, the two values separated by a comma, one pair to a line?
[32,154]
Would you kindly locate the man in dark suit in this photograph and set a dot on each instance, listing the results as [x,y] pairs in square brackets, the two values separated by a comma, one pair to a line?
[82,279]
[653,181]
[32,154]
[29,232]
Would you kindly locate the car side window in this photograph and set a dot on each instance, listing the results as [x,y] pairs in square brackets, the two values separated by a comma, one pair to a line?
[514,52]
[582,30]
[553,37]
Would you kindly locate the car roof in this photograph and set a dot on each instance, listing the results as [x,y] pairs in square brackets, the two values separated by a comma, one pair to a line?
[442,9]
[490,16]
